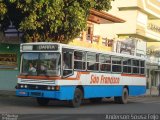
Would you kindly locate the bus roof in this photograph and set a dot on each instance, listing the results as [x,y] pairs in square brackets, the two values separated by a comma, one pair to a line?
[86,49]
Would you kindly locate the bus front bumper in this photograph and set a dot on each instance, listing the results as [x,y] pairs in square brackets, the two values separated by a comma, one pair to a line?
[39,93]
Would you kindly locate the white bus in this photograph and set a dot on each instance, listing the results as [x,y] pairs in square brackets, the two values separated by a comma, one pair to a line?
[64,72]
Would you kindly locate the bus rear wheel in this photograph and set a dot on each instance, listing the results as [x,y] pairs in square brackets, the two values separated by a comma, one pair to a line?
[42,101]
[77,99]
[122,99]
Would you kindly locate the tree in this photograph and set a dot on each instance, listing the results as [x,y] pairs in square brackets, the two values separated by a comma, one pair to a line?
[50,20]
[3,11]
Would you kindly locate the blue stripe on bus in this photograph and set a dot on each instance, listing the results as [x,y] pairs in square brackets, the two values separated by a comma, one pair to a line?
[67,92]
[110,91]
[137,90]
[102,91]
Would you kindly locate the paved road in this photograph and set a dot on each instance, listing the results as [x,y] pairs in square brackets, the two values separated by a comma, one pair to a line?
[18,105]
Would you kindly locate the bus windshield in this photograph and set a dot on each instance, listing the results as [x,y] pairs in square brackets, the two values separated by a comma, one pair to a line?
[39,64]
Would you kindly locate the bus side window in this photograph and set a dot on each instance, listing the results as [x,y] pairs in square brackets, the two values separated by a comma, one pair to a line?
[92,61]
[135,66]
[67,63]
[142,67]
[116,64]
[105,63]
[79,60]
[127,65]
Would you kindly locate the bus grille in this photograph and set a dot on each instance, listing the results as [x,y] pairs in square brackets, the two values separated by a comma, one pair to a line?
[37,82]
[36,94]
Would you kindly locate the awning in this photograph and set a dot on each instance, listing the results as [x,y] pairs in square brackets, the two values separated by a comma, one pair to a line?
[101,17]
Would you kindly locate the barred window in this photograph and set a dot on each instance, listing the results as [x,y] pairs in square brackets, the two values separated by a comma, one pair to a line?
[135,66]
[127,65]
[142,67]
[80,60]
[92,61]
[116,64]
[105,63]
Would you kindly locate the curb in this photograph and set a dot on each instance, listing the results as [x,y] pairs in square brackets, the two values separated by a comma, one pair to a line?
[151,96]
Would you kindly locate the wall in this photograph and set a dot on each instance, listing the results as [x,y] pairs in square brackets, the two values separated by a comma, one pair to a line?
[128,27]
[8,77]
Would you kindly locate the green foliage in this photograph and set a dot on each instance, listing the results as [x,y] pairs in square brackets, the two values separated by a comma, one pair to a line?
[3,9]
[49,20]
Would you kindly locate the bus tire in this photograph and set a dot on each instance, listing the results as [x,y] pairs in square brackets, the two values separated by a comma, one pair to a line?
[77,99]
[42,101]
[96,100]
[122,99]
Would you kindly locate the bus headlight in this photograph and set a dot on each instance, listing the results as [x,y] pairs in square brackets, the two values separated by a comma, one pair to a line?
[52,88]
[25,86]
[48,88]
[21,86]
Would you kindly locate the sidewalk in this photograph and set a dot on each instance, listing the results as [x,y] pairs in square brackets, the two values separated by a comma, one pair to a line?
[152,92]
[7,93]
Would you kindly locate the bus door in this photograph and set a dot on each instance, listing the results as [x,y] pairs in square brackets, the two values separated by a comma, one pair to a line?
[67,62]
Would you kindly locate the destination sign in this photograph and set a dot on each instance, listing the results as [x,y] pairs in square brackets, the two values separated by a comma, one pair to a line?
[45,47]
[40,47]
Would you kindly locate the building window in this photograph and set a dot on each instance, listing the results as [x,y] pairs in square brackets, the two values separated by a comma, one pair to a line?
[89,32]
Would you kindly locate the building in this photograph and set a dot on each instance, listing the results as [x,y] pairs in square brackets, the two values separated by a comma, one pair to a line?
[137,35]
[92,37]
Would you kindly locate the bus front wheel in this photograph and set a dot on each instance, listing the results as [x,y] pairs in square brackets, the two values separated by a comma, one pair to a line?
[77,99]
[42,101]
[122,99]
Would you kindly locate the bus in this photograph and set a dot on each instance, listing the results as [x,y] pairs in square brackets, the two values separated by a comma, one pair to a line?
[55,71]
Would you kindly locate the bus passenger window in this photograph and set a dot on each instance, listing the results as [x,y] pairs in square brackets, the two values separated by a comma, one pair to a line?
[67,63]
[92,61]
[116,64]
[142,67]
[105,67]
[127,65]
[105,63]
[79,60]
[135,66]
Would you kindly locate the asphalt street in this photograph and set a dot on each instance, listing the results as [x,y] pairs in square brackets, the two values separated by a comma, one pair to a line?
[22,106]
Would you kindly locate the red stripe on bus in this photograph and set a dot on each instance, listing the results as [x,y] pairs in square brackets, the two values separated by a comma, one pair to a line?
[132,75]
[39,77]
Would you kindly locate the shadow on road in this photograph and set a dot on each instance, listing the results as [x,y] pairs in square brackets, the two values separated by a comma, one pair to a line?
[31,102]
